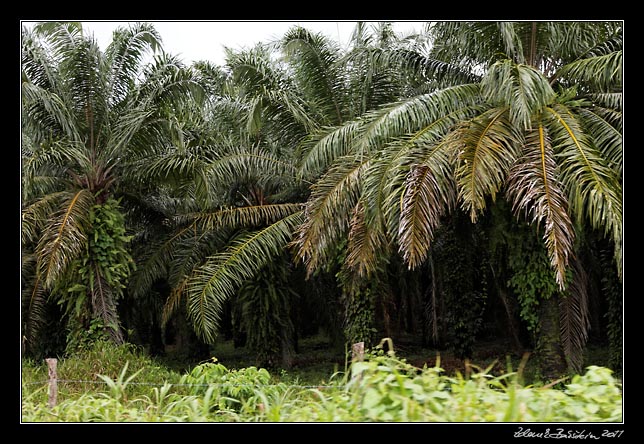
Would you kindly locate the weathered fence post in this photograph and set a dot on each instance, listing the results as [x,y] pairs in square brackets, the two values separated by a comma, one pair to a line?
[357,352]
[53,381]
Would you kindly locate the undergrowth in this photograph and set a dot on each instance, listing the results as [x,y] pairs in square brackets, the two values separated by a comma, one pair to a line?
[383,387]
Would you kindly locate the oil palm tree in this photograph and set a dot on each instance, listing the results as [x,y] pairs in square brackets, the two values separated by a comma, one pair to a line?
[224,188]
[85,112]
[279,99]
[527,110]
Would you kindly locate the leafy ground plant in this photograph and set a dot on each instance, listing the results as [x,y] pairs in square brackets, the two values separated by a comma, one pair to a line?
[381,388]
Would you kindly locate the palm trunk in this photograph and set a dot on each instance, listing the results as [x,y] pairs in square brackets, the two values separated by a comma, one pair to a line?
[552,362]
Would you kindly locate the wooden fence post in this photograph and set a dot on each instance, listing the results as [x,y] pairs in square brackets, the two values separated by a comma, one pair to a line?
[357,351]
[53,381]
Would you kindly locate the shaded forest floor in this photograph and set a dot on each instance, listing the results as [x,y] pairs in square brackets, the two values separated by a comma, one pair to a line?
[317,360]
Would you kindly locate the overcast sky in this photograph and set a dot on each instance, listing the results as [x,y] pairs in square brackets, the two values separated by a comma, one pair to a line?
[205,40]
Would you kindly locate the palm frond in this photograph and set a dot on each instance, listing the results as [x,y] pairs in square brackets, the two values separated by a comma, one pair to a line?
[241,163]
[167,82]
[60,37]
[34,300]
[520,87]
[377,128]
[152,265]
[406,116]
[469,43]
[610,101]
[216,280]
[125,55]
[84,71]
[606,138]
[36,215]
[104,305]
[575,318]
[429,192]
[602,72]
[534,187]
[47,115]
[38,66]
[384,182]
[511,38]
[64,237]
[320,149]
[333,198]
[576,40]
[487,146]
[314,58]
[593,189]
[173,302]
[366,243]
[240,216]
[171,164]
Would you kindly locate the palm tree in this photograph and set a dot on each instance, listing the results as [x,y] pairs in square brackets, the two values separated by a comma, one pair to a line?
[226,193]
[210,248]
[85,113]
[530,111]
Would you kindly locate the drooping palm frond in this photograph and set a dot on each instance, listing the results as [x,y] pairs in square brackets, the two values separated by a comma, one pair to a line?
[36,62]
[217,279]
[593,188]
[104,304]
[511,35]
[429,192]
[487,146]
[333,198]
[34,300]
[367,245]
[384,183]
[64,237]
[534,187]
[575,317]
[36,214]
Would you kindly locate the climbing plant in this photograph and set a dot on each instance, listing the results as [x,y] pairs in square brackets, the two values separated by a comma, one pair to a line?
[95,281]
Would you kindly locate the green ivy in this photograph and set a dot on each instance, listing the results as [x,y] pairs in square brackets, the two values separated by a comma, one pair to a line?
[531,278]
[106,261]
[359,325]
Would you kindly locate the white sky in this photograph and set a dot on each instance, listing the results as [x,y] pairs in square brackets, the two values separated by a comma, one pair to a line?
[196,40]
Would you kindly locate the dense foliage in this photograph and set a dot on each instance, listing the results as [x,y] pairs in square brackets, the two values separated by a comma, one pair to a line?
[460,184]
